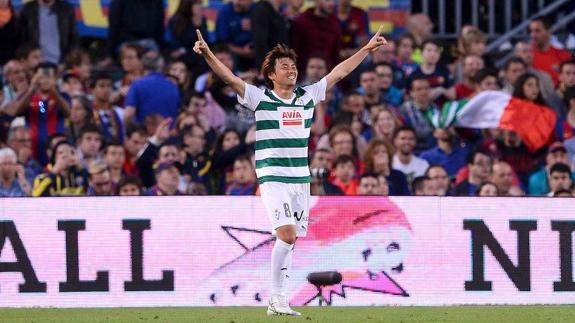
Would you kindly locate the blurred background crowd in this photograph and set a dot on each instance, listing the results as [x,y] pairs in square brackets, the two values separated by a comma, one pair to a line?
[147,116]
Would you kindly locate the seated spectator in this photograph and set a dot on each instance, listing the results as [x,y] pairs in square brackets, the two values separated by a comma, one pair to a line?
[196,188]
[370,88]
[30,56]
[344,171]
[53,140]
[390,94]
[450,152]
[404,159]
[40,103]
[130,186]
[513,69]
[560,178]
[19,139]
[566,77]
[563,193]
[245,181]
[528,88]
[423,186]
[78,63]
[441,182]
[502,177]
[178,70]
[80,117]
[539,181]
[383,124]
[12,175]
[233,26]
[487,189]
[485,80]
[405,48]
[197,163]
[89,145]
[438,75]
[320,166]
[415,110]
[136,138]
[228,147]
[565,127]
[99,179]
[108,117]
[479,165]
[152,94]
[15,82]
[167,179]
[65,177]
[131,61]
[369,184]
[71,84]
[115,157]
[378,159]
[466,87]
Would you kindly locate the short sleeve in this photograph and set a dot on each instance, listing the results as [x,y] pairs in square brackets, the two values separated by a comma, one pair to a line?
[131,97]
[252,97]
[317,90]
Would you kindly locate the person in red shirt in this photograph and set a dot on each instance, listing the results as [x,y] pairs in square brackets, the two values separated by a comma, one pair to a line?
[546,57]
[316,32]
[471,65]
[354,25]
[344,171]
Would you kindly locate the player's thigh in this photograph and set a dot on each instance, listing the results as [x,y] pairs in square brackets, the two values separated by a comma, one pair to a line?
[276,199]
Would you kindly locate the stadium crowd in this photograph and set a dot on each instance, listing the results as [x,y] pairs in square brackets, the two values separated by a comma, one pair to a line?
[166,125]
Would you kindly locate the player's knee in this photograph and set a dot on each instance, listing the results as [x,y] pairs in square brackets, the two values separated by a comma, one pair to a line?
[287,234]
[289,239]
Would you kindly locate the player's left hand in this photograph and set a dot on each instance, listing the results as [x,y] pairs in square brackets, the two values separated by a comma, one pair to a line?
[376,41]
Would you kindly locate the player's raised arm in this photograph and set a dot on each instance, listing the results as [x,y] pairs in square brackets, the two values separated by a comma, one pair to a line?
[347,66]
[224,73]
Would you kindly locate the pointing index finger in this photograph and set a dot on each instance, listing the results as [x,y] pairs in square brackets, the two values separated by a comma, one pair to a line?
[379,31]
[200,38]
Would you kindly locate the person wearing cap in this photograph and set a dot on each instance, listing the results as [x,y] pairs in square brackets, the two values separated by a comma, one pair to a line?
[99,179]
[539,181]
[167,179]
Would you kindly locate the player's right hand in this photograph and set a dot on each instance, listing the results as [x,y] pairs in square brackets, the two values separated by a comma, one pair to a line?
[200,47]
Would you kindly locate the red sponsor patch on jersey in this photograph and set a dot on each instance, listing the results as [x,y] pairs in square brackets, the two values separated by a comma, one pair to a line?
[292,118]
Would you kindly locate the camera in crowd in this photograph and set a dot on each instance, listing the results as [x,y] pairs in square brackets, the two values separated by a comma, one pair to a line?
[319,174]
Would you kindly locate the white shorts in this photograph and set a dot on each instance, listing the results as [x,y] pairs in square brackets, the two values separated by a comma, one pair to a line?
[287,204]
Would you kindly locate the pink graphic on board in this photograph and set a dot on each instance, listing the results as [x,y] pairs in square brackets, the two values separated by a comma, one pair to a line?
[366,240]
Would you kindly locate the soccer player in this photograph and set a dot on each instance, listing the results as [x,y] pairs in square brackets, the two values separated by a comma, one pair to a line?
[283,120]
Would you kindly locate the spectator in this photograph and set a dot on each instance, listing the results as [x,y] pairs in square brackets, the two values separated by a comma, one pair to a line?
[527,88]
[152,94]
[71,84]
[389,93]
[135,20]
[130,186]
[318,22]
[30,56]
[487,189]
[369,185]
[513,69]
[131,56]
[135,140]
[386,54]
[42,103]
[565,127]
[115,158]
[423,186]
[539,181]
[546,57]
[78,62]
[53,140]
[344,171]
[269,28]
[80,117]
[438,75]
[196,188]
[197,163]
[523,50]
[167,179]
[229,146]
[20,140]
[15,82]
[209,116]
[315,70]
[421,27]
[354,25]
[466,87]
[64,178]
[441,182]
[12,175]
[563,193]
[50,24]
[566,77]
[89,145]
[415,110]
[178,70]
[405,48]
[485,80]
[293,9]
[10,35]
[109,118]
[369,88]
[244,182]
[384,123]
[181,34]
[450,152]
[99,179]
[479,165]
[560,178]
[233,27]
[378,159]
[502,177]
[343,141]
[320,166]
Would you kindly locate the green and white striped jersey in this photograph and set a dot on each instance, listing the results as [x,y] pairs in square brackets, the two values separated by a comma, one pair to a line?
[282,131]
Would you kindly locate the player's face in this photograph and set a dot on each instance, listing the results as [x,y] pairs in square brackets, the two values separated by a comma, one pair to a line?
[285,73]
